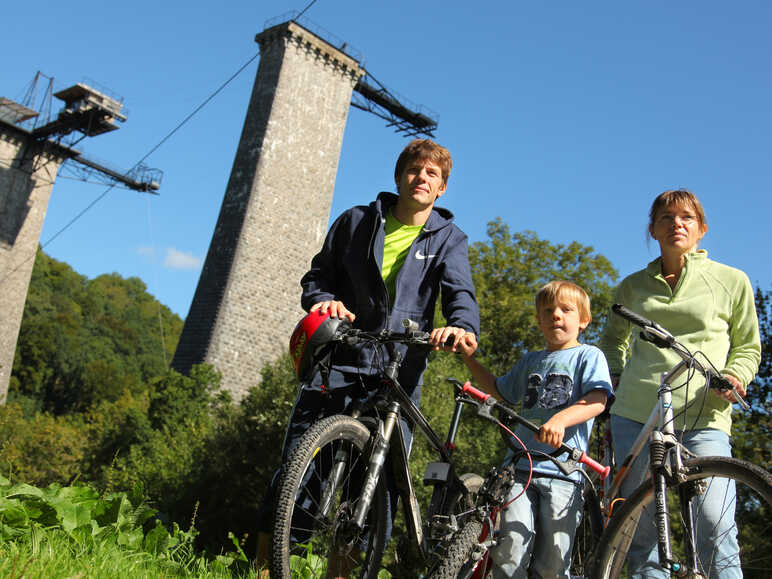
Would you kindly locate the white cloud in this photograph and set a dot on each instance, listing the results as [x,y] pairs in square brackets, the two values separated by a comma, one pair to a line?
[176,259]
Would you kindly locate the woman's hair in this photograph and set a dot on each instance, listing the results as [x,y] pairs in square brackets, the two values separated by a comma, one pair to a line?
[568,291]
[677,198]
[424,150]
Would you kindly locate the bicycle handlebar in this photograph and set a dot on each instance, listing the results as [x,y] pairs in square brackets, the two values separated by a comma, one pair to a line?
[574,453]
[411,336]
[660,337]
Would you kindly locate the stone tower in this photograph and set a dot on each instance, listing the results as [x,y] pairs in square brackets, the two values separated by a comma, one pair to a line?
[29,162]
[274,215]
[28,169]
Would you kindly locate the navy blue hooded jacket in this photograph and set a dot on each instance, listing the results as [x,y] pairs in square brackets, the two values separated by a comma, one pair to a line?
[348,269]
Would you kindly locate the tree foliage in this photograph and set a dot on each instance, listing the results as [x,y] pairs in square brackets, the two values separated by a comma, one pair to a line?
[86,341]
[752,431]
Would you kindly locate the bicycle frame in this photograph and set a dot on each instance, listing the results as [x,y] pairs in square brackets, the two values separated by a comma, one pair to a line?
[388,441]
[660,420]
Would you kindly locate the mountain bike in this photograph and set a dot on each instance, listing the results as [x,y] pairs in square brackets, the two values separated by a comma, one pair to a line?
[332,507]
[467,555]
[677,490]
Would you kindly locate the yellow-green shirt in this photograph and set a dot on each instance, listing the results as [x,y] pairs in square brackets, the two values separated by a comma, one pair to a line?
[711,310]
[396,246]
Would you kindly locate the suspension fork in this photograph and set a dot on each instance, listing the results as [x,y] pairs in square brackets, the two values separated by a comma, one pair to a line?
[662,443]
[686,492]
[338,471]
[380,449]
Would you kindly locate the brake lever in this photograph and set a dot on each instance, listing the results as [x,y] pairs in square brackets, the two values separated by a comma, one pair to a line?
[658,336]
[720,382]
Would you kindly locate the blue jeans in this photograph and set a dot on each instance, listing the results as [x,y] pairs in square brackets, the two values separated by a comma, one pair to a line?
[537,530]
[716,532]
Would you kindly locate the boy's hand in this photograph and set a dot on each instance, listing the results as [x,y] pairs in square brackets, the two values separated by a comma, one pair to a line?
[440,336]
[335,308]
[552,433]
[467,345]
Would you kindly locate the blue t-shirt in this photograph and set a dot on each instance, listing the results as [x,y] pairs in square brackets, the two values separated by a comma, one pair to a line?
[547,382]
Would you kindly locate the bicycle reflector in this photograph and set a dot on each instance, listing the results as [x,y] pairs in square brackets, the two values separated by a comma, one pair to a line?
[312,333]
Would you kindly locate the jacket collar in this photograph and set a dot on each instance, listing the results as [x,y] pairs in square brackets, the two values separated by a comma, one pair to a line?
[439,217]
[655,267]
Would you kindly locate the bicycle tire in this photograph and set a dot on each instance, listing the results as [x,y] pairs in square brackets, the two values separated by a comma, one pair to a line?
[309,539]
[458,561]
[752,519]
[587,534]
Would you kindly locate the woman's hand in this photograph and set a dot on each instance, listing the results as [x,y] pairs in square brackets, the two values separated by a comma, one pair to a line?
[728,394]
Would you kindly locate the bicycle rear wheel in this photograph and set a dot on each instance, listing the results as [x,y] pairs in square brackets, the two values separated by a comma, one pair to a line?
[317,494]
[747,516]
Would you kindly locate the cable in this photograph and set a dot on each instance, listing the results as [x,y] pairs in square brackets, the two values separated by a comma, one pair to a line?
[305,9]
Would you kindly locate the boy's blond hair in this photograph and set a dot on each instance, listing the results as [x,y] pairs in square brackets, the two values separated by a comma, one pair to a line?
[555,290]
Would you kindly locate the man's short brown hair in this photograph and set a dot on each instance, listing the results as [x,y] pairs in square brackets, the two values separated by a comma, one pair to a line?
[424,150]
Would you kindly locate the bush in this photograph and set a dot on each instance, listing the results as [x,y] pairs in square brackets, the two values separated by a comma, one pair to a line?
[44,449]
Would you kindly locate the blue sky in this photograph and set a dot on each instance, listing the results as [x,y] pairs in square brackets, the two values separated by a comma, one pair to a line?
[566,118]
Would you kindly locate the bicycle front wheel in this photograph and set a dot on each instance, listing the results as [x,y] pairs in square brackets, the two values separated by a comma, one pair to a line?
[321,484]
[732,530]
[587,533]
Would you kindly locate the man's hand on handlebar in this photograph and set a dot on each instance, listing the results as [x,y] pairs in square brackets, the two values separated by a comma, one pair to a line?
[729,394]
[449,338]
[335,308]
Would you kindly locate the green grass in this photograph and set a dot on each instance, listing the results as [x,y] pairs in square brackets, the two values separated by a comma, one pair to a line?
[51,553]
[76,533]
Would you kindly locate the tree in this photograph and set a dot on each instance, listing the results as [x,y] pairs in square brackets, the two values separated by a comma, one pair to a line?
[86,341]
[752,431]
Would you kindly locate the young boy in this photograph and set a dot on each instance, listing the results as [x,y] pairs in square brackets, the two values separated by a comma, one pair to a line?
[563,388]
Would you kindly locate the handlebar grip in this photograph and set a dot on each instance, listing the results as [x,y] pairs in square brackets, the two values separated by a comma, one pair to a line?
[467,388]
[603,471]
[631,316]
[720,382]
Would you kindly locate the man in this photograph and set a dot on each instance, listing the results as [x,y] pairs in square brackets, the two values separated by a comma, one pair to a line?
[382,263]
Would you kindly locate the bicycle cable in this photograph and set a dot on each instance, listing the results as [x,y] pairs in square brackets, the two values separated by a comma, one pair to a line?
[514,456]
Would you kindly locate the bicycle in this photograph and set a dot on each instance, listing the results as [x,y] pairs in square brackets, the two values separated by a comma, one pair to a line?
[331,501]
[680,478]
[467,555]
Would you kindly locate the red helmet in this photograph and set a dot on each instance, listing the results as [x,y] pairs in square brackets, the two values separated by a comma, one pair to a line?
[312,333]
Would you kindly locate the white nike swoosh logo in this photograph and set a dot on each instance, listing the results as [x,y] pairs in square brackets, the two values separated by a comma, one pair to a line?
[419,255]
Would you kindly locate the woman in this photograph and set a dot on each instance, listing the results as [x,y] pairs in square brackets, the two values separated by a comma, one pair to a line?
[709,307]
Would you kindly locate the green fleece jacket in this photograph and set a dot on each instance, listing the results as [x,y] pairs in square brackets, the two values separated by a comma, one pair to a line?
[711,310]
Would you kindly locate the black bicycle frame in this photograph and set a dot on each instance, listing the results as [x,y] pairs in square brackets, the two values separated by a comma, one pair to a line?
[383,446]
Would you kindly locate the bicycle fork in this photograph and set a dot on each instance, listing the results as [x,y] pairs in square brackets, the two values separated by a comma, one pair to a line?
[663,445]
[375,468]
